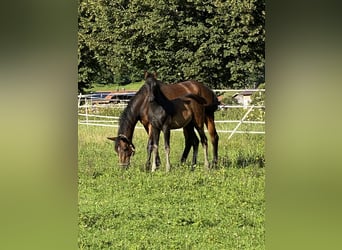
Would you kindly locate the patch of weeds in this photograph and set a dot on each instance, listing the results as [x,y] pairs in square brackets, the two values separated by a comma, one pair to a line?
[184,221]
[207,223]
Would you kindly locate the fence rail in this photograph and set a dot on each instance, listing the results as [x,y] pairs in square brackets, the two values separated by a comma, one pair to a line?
[87,113]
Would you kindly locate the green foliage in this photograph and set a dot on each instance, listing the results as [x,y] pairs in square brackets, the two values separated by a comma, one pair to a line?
[130,209]
[227,98]
[220,43]
[115,87]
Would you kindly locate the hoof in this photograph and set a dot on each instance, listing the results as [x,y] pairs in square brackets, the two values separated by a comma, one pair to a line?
[207,166]
[154,168]
[147,166]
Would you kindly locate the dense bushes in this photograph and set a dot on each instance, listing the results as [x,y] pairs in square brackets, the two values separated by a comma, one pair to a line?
[220,43]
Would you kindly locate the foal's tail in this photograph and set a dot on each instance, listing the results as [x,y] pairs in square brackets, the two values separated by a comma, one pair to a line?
[197,98]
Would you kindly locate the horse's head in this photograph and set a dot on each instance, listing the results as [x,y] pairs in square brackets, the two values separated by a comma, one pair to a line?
[124,148]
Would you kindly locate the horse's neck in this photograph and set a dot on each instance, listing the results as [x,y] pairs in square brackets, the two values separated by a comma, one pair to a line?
[128,122]
[127,131]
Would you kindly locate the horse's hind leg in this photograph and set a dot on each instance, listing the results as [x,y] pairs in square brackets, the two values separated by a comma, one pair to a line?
[193,138]
[190,140]
[209,121]
[204,142]
[195,150]
[188,143]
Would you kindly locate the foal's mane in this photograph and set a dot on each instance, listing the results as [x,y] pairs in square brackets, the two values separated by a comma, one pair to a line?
[158,95]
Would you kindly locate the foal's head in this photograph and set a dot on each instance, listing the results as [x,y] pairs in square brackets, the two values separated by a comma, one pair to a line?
[156,95]
[152,85]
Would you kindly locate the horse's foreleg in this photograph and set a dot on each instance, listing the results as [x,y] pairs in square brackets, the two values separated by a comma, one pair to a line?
[209,121]
[167,149]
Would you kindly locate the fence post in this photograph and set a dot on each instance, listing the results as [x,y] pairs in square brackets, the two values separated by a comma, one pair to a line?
[86,109]
[241,121]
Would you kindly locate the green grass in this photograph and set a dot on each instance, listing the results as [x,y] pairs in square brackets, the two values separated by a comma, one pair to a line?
[131,209]
[115,87]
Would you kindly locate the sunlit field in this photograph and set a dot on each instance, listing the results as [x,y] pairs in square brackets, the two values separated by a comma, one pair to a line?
[223,208]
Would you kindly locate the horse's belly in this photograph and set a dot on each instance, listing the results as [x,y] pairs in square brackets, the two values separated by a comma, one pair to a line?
[179,122]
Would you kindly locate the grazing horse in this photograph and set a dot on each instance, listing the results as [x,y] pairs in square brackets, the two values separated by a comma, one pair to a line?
[137,110]
[165,114]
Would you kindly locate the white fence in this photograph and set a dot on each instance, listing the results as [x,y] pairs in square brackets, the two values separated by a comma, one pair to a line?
[89,113]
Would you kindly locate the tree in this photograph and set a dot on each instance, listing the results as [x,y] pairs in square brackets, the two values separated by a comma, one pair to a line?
[90,29]
[220,43]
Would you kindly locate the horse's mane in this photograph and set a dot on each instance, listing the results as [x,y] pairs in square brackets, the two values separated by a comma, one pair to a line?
[129,116]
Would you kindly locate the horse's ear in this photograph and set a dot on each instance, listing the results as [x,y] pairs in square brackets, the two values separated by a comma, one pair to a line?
[145,74]
[155,75]
[124,138]
[112,138]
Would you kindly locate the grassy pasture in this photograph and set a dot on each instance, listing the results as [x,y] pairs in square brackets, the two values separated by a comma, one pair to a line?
[114,87]
[130,209]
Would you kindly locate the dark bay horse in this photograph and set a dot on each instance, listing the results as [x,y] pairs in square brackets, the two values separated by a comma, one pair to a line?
[165,114]
[137,110]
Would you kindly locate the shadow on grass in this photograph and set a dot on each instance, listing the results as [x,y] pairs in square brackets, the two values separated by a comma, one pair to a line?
[241,161]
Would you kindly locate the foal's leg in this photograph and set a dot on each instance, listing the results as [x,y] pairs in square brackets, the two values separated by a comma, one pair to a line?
[149,154]
[148,129]
[209,122]
[156,134]
[167,148]
[151,145]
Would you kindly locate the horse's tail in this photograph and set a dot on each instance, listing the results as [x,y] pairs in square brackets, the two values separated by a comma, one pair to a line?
[213,106]
[197,98]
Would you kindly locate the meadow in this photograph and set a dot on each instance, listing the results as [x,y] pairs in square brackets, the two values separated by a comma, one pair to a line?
[223,208]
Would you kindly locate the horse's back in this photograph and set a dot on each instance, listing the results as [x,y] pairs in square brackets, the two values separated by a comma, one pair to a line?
[172,91]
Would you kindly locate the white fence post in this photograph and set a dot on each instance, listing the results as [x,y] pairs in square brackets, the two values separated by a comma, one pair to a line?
[86,109]
[241,121]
